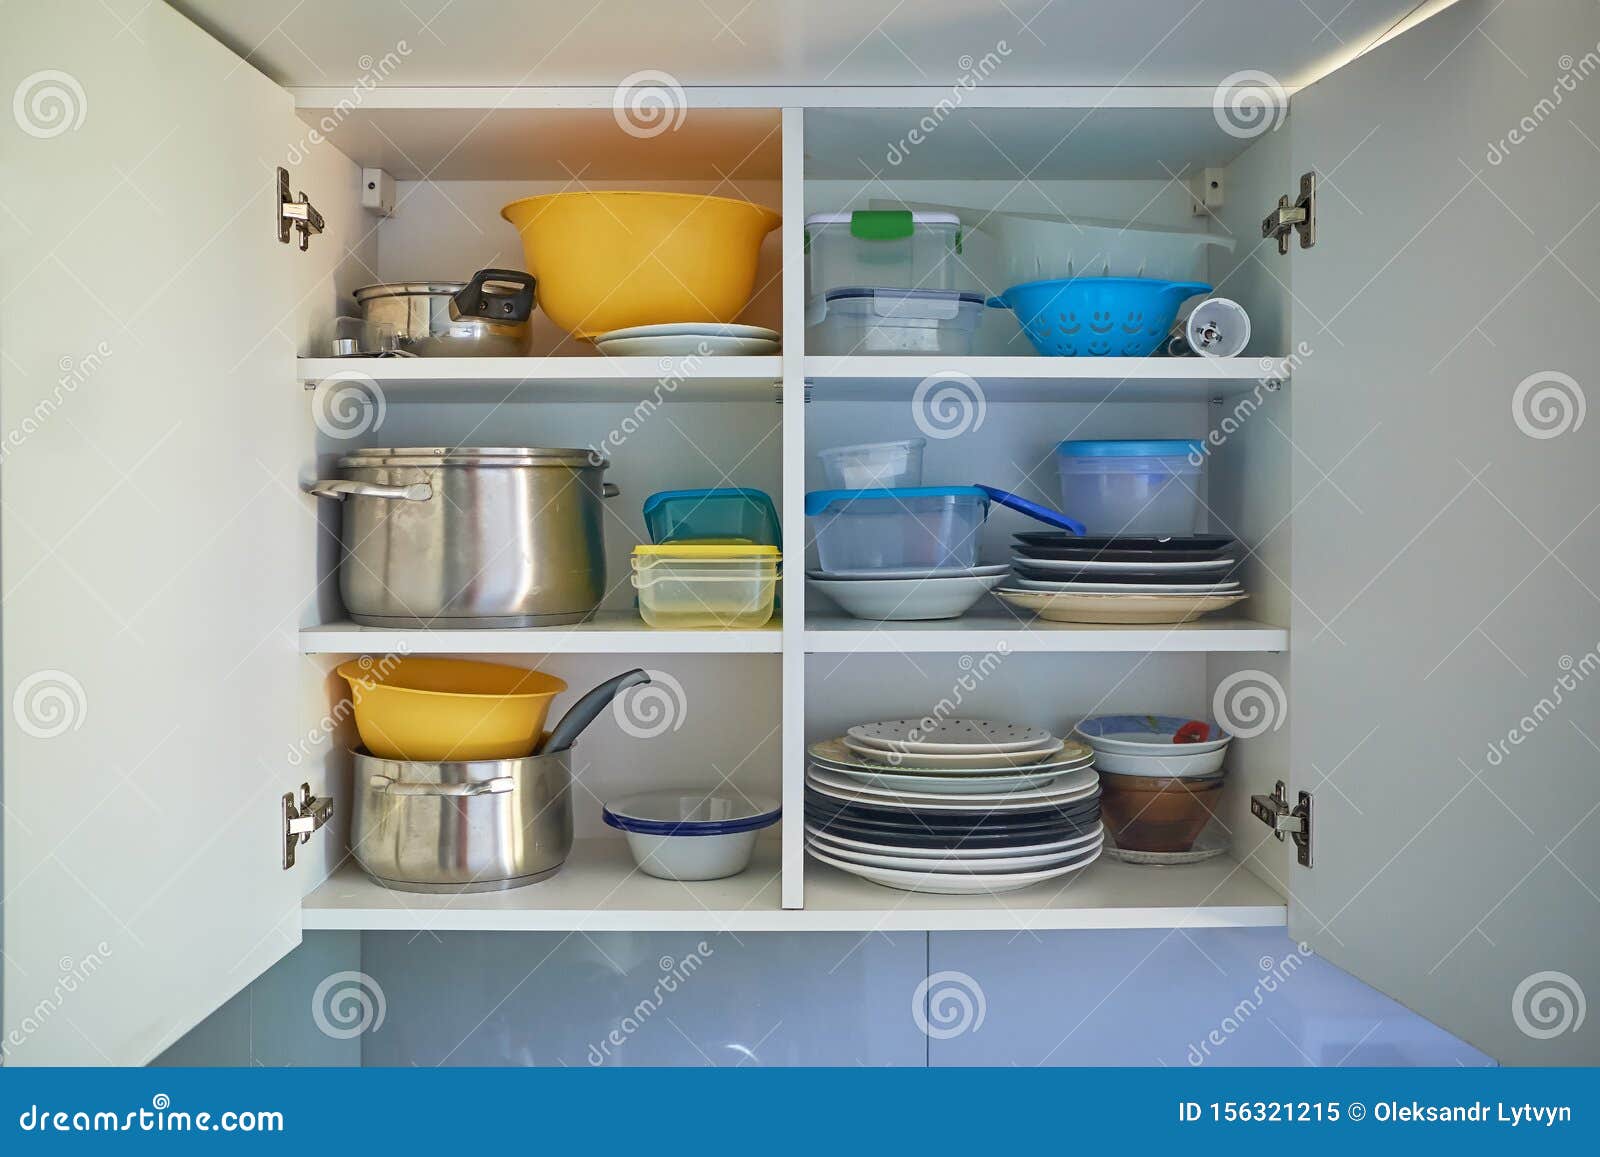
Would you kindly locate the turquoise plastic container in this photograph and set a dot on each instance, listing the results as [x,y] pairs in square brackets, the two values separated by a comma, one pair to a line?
[728,512]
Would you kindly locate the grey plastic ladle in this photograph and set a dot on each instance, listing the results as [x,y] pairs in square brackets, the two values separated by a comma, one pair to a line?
[586,710]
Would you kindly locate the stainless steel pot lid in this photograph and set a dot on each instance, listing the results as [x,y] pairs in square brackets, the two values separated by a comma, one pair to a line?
[482,456]
[409,289]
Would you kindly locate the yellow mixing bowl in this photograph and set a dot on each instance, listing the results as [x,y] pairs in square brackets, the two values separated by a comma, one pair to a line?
[608,261]
[448,709]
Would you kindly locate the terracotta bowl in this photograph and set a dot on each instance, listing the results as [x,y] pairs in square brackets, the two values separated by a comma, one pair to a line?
[1168,817]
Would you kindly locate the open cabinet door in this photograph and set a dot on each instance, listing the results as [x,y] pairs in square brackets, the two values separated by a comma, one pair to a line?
[155,554]
[1446,707]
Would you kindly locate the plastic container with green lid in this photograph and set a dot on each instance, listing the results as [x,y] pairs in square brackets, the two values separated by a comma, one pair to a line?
[904,248]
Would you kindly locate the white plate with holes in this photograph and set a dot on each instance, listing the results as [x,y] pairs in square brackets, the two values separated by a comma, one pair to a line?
[834,755]
[950,736]
[933,761]
[956,883]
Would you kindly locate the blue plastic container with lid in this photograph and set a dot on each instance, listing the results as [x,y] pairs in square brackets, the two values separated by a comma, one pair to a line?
[1132,486]
[728,513]
[903,528]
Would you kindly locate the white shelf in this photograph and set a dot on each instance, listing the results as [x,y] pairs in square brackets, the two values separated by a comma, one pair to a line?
[1037,379]
[600,890]
[554,379]
[609,633]
[1216,893]
[984,630]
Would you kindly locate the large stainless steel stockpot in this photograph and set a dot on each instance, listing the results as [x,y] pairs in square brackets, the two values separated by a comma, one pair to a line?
[494,536]
[480,826]
[485,317]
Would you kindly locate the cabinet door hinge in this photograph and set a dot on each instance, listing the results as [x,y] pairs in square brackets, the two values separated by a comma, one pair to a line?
[295,213]
[1274,811]
[301,819]
[1298,216]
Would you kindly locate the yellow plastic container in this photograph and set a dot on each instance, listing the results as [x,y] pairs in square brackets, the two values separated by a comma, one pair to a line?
[607,261]
[448,709]
[693,585]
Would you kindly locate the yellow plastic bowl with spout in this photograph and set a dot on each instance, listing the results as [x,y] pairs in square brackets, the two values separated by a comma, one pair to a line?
[606,261]
[448,709]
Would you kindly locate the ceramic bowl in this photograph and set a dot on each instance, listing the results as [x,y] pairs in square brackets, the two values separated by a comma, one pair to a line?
[1166,817]
[908,599]
[1179,763]
[691,834]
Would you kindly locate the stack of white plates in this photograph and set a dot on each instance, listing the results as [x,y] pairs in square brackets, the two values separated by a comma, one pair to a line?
[702,338]
[946,593]
[958,806]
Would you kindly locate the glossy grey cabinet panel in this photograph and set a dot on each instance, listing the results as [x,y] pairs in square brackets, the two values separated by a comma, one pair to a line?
[503,998]
[1234,996]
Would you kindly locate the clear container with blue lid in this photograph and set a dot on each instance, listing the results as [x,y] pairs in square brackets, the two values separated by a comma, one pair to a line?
[899,528]
[1132,485]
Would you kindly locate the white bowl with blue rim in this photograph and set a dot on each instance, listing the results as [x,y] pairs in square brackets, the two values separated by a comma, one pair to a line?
[1143,745]
[691,834]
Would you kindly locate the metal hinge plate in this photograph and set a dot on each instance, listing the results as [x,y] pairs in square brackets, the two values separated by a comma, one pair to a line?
[1274,811]
[295,213]
[301,819]
[1297,216]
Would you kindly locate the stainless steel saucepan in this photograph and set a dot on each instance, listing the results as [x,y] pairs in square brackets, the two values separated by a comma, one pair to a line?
[485,317]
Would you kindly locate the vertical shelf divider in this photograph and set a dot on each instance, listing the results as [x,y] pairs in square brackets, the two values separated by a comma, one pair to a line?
[793,507]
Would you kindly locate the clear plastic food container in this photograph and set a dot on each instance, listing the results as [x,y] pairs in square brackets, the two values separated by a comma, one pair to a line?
[1132,487]
[894,247]
[694,585]
[918,527]
[883,320]
[874,465]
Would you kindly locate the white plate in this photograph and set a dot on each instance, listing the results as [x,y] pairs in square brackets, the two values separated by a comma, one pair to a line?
[1068,566]
[944,784]
[1075,785]
[947,864]
[999,568]
[824,837]
[1227,588]
[898,600]
[934,762]
[1064,607]
[955,883]
[980,805]
[950,736]
[693,329]
[704,345]
[834,753]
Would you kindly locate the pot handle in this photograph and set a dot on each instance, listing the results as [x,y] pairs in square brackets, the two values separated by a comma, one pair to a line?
[389,786]
[339,487]
[473,301]
[609,490]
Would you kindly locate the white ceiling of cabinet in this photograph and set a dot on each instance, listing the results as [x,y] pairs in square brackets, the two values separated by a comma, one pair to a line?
[796,42]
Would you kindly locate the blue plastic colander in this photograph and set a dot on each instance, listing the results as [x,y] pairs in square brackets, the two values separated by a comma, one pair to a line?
[1097,316]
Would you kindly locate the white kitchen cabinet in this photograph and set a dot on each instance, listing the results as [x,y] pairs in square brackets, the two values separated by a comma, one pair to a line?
[1403,447]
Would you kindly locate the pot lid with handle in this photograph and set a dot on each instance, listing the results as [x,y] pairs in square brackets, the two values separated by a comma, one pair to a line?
[481,456]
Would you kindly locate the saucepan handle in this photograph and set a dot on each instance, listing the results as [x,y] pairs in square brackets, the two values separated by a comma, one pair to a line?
[475,787]
[339,488]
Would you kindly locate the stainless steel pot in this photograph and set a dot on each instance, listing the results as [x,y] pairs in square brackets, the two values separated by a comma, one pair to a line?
[480,826]
[485,317]
[500,536]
